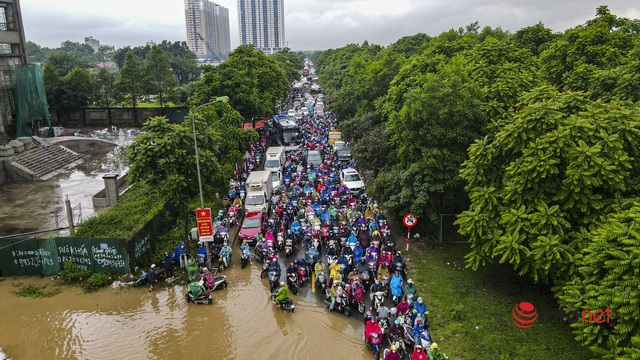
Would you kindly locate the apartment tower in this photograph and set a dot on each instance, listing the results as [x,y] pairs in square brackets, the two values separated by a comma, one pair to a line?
[262,24]
[208,33]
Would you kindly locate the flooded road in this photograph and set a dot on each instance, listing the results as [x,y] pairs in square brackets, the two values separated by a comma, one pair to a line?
[30,205]
[130,323]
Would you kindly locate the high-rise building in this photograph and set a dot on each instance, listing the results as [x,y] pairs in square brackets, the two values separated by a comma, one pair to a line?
[262,24]
[94,43]
[207,28]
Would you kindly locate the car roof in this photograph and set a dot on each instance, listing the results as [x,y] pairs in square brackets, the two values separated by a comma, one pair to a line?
[350,171]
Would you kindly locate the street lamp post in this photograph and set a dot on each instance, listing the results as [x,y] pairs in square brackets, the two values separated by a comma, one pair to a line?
[223,99]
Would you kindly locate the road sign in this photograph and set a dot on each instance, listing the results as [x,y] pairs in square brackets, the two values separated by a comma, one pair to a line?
[205,225]
[409,220]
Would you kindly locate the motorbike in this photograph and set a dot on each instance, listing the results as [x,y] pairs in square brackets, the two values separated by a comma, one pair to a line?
[374,344]
[274,278]
[400,346]
[260,254]
[265,269]
[244,259]
[341,307]
[356,297]
[196,295]
[286,304]
[288,246]
[302,275]
[144,277]
[280,241]
[321,280]
[292,282]
[378,299]
[220,283]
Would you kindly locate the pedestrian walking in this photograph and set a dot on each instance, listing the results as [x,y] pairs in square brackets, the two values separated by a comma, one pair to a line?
[151,275]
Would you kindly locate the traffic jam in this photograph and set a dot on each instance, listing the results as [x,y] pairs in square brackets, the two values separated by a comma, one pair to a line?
[310,225]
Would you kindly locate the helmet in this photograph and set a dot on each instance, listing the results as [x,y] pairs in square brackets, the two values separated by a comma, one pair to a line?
[409,281]
[420,300]
[274,260]
[153,266]
[434,346]
[166,253]
[205,269]
[397,322]
[399,253]
[384,265]
[393,348]
[291,263]
[418,346]
[244,241]
[418,321]
[368,313]
[281,283]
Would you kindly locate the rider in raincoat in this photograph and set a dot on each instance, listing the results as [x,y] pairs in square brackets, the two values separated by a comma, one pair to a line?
[396,284]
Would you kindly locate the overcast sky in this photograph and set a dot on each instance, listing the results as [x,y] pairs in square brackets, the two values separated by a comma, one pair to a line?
[309,24]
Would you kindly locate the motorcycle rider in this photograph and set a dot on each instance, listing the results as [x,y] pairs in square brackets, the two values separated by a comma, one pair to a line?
[396,332]
[370,328]
[383,271]
[419,354]
[282,293]
[292,270]
[396,284]
[334,269]
[358,252]
[397,258]
[209,281]
[225,254]
[383,313]
[417,329]
[318,268]
[410,289]
[245,249]
[201,255]
[420,308]
[377,286]
[237,202]
[275,266]
[403,306]
[392,354]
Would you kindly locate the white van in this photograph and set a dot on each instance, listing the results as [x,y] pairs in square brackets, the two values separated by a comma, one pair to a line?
[274,159]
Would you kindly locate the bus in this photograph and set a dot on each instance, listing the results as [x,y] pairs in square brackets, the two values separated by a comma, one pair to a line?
[287,129]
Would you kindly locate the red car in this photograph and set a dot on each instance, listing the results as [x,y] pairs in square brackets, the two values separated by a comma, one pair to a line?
[252,224]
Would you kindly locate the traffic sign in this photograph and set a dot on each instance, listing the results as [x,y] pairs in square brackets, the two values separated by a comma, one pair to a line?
[409,220]
[205,225]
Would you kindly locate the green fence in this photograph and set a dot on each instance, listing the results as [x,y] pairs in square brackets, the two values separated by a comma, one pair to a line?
[23,257]
[28,257]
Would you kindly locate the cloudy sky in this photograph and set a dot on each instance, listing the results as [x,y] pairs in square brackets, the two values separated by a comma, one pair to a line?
[309,24]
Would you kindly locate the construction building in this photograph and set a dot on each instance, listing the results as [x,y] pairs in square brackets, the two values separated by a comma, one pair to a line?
[208,34]
[23,103]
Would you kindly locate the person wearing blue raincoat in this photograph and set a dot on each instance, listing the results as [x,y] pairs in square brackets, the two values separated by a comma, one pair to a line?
[420,308]
[358,252]
[396,284]
[201,255]
[296,229]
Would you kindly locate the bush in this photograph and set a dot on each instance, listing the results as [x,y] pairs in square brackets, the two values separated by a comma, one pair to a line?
[36,291]
[95,282]
[73,273]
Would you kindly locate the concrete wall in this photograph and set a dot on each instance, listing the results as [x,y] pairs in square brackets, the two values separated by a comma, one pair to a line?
[117,116]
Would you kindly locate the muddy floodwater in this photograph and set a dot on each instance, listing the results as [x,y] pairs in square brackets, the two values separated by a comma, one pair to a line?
[131,323]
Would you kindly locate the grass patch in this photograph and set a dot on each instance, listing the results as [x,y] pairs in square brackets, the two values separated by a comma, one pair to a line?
[36,291]
[134,209]
[95,282]
[470,311]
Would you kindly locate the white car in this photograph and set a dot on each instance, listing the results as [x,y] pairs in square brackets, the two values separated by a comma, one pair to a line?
[298,116]
[305,111]
[351,179]
[291,113]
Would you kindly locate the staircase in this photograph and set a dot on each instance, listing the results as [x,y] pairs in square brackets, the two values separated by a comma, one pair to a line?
[44,163]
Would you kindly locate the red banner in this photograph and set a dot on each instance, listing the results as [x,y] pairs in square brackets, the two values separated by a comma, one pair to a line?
[205,225]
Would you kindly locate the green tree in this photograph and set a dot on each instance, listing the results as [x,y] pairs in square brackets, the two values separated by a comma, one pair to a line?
[608,277]
[157,68]
[164,157]
[132,80]
[536,38]
[542,178]
[432,131]
[253,82]
[37,54]
[63,62]
[289,63]
[77,90]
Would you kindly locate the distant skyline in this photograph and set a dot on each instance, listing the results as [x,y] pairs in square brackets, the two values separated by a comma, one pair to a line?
[310,24]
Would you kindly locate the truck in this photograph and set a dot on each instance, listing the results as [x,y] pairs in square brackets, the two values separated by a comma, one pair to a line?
[259,190]
[274,158]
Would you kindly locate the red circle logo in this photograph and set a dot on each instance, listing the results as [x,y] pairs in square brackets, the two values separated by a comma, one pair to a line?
[524,315]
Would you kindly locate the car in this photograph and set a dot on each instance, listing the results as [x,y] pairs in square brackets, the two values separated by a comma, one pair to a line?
[351,179]
[314,158]
[305,111]
[291,112]
[338,145]
[344,154]
[252,224]
[298,115]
